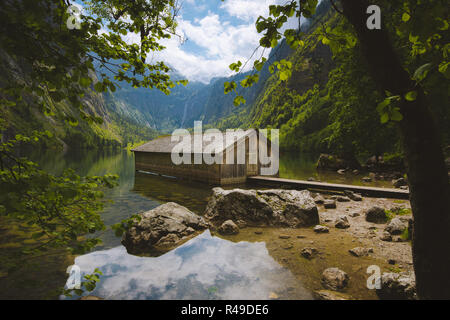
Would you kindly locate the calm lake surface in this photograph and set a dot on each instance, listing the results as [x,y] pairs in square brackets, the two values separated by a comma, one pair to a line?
[206,267]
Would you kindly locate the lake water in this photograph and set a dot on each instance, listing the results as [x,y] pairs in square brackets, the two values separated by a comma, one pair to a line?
[206,267]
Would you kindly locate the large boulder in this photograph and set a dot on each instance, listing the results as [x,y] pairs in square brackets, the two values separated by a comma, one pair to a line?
[278,208]
[162,229]
[397,286]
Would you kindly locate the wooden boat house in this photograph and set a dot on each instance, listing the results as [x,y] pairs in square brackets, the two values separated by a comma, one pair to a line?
[156,157]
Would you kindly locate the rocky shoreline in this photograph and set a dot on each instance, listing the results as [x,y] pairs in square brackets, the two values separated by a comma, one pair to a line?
[379,229]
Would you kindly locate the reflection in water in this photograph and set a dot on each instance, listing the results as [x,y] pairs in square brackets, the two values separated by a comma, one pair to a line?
[205,267]
[302,166]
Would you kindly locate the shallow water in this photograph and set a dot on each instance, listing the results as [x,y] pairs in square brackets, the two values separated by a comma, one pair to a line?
[303,166]
[206,267]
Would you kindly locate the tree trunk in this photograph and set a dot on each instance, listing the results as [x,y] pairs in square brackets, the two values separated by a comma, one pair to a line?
[427,173]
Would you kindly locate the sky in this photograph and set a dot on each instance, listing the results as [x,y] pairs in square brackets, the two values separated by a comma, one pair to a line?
[218,34]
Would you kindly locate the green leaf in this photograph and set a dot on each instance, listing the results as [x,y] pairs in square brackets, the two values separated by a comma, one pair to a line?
[284,75]
[99,87]
[406,17]
[422,72]
[411,96]
[85,82]
[382,105]
[239,100]
[273,42]
[444,69]
[396,116]
[384,118]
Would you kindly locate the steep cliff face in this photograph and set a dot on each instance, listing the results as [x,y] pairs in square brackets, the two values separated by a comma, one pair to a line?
[26,116]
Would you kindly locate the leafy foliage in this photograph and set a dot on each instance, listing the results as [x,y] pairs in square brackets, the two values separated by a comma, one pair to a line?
[321,112]
[89,284]
[57,64]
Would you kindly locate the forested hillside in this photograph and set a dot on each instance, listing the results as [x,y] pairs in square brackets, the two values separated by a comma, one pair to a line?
[67,124]
[329,103]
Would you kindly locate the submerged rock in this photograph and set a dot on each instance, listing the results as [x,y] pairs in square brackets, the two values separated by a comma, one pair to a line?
[330,295]
[360,252]
[162,229]
[277,208]
[308,252]
[334,279]
[332,162]
[228,228]
[397,286]
[376,215]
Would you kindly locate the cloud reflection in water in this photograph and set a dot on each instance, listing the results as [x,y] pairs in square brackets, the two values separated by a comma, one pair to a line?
[205,267]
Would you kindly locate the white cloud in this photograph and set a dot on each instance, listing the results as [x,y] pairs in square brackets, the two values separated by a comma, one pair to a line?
[218,42]
[242,270]
[248,10]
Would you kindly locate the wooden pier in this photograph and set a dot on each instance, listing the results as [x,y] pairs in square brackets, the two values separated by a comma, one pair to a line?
[331,187]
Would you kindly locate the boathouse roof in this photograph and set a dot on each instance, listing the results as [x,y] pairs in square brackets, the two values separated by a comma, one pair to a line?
[164,144]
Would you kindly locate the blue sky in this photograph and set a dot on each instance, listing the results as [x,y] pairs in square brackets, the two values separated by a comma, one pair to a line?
[218,33]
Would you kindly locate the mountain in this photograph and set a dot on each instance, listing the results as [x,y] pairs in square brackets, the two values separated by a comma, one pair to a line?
[118,128]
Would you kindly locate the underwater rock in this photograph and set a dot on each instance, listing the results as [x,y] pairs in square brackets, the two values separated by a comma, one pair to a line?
[330,295]
[308,252]
[332,162]
[228,228]
[360,252]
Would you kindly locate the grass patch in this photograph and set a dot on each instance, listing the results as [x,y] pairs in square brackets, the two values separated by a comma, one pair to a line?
[397,211]
[405,234]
